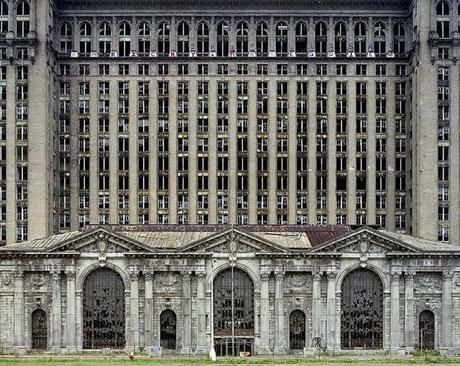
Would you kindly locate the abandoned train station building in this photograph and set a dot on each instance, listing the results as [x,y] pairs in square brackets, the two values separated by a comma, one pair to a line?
[263,290]
[255,176]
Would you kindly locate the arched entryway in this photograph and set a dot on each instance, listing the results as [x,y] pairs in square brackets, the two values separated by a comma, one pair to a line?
[233,305]
[426,330]
[103,310]
[297,330]
[168,326]
[39,329]
[362,310]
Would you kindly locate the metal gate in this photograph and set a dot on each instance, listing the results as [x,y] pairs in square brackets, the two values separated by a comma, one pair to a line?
[168,328]
[39,330]
[426,330]
[233,306]
[297,329]
[103,310]
[362,311]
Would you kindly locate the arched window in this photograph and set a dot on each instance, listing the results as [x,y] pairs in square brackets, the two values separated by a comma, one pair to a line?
[301,38]
[144,39]
[233,307]
[183,39]
[340,39]
[202,39]
[321,38]
[105,40]
[222,39]
[262,39]
[124,39]
[379,39]
[282,39]
[360,38]
[242,38]
[362,310]
[66,37]
[3,18]
[85,38]
[39,330]
[297,329]
[22,19]
[168,326]
[164,33]
[443,19]
[399,39]
[426,330]
[103,310]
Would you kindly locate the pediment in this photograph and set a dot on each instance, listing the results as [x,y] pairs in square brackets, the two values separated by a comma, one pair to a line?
[365,241]
[101,241]
[234,242]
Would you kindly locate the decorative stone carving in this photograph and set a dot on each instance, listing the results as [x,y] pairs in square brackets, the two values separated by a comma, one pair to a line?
[298,280]
[37,280]
[6,280]
[427,282]
[167,282]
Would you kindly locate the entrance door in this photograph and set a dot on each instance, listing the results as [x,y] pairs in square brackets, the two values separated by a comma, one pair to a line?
[362,311]
[103,310]
[426,330]
[233,313]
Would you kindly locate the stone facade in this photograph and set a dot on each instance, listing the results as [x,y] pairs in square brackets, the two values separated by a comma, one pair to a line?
[291,268]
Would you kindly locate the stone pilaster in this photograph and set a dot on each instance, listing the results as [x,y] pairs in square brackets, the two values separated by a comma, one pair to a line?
[446,321]
[331,311]
[19,336]
[201,313]
[70,333]
[409,340]
[394,312]
[149,306]
[186,314]
[280,336]
[134,306]
[316,305]
[56,314]
[264,314]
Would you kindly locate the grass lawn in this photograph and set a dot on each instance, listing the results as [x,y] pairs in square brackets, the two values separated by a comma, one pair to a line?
[43,361]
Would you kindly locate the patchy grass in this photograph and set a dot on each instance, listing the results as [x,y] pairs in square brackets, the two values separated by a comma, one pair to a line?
[43,360]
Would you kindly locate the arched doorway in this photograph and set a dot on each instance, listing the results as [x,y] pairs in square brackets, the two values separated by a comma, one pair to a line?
[297,330]
[426,330]
[39,330]
[103,310]
[233,305]
[168,326]
[362,310]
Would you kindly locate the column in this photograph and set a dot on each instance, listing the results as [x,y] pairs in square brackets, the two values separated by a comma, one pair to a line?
[11,207]
[351,157]
[133,154]
[391,155]
[446,321]
[93,155]
[371,148]
[113,152]
[232,151]
[134,306]
[201,313]
[394,312]
[192,152]
[186,314]
[409,339]
[292,159]
[153,153]
[272,150]
[280,335]
[311,152]
[148,321]
[331,152]
[19,310]
[252,151]
[172,147]
[71,319]
[74,145]
[454,187]
[316,305]
[264,314]
[331,311]
[56,314]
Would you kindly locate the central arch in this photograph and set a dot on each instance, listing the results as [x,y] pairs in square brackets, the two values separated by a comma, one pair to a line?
[233,312]
[362,310]
[103,310]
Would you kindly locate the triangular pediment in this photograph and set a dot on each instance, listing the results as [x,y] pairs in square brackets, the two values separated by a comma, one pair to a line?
[100,241]
[365,241]
[234,241]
